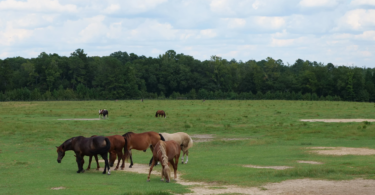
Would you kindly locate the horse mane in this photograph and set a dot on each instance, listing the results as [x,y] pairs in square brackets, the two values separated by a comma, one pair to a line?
[127,135]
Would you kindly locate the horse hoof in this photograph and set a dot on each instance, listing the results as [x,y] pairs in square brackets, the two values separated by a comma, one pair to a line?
[78,171]
[82,171]
[167,181]
[116,169]
[88,169]
[122,168]
[148,180]
[109,173]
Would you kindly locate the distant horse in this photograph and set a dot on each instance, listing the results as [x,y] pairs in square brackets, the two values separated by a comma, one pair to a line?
[140,141]
[85,146]
[117,144]
[183,140]
[165,152]
[160,113]
[103,113]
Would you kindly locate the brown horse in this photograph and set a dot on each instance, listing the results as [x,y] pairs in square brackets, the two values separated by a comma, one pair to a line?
[165,152]
[85,146]
[140,141]
[117,144]
[160,113]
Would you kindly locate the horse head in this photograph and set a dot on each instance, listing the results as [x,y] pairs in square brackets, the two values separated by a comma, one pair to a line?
[60,153]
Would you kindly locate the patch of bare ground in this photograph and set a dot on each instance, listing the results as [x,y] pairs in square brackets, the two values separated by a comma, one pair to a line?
[233,139]
[341,151]
[310,162]
[338,120]
[58,188]
[137,168]
[268,167]
[80,119]
[290,187]
[202,137]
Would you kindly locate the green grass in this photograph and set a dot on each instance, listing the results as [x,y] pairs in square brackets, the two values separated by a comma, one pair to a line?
[30,131]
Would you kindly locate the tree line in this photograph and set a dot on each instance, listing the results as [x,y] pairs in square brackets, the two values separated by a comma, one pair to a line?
[177,76]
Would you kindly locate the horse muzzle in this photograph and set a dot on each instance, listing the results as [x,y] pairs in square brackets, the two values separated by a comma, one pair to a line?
[59,161]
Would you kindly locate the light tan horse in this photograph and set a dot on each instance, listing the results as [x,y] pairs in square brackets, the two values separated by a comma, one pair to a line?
[183,140]
[164,152]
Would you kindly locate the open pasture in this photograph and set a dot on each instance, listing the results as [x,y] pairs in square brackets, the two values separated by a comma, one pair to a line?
[233,140]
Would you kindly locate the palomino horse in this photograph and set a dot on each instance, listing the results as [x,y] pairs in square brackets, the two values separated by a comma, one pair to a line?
[117,144]
[140,141]
[103,113]
[160,113]
[85,146]
[182,139]
[165,152]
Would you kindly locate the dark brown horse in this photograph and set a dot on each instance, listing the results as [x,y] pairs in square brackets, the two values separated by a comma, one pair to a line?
[85,146]
[140,141]
[165,152]
[117,144]
[103,113]
[160,113]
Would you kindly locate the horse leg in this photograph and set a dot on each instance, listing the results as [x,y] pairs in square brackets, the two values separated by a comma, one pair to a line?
[123,161]
[152,149]
[175,166]
[187,156]
[182,157]
[105,157]
[89,166]
[97,162]
[149,173]
[131,159]
[119,155]
[79,160]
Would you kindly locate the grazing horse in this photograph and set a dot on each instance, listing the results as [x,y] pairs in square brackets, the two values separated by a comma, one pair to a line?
[140,141]
[165,152]
[160,113]
[183,140]
[117,144]
[85,146]
[103,113]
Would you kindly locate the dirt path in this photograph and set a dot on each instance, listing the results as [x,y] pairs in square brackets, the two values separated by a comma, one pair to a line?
[341,151]
[290,187]
[80,119]
[338,120]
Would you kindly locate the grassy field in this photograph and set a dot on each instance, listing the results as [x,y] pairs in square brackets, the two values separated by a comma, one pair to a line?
[29,132]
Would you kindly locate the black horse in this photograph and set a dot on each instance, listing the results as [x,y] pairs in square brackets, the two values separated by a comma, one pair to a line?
[85,146]
[103,112]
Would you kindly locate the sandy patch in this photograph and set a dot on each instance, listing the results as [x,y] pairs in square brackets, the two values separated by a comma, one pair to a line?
[58,188]
[202,137]
[137,168]
[338,120]
[342,151]
[233,139]
[80,119]
[268,167]
[290,187]
[310,162]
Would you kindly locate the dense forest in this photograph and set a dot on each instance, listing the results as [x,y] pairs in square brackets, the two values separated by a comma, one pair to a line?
[177,76]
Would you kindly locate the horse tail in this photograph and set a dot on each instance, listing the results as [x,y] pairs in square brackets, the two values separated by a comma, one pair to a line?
[161,137]
[108,144]
[190,143]
[126,151]
[164,159]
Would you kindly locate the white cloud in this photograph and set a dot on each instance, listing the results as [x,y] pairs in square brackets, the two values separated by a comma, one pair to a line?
[362,2]
[359,19]
[318,3]
[36,6]
[112,9]
[367,35]
[270,22]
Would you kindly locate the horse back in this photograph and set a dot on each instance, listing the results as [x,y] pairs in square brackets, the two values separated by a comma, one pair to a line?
[91,145]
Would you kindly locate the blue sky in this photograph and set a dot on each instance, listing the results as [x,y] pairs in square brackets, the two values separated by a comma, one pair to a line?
[338,31]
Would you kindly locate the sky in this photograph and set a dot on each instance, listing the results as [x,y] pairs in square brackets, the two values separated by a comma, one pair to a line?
[341,32]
